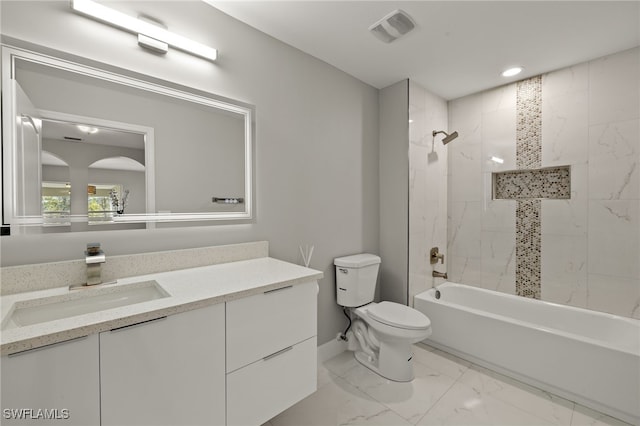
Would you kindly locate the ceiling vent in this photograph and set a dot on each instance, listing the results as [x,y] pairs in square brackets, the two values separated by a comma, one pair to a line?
[393,26]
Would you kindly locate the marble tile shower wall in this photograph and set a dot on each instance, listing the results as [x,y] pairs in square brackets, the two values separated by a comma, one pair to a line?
[427,186]
[591,242]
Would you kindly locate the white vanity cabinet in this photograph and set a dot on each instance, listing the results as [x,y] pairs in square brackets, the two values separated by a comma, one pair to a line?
[271,352]
[168,371]
[52,385]
[235,344]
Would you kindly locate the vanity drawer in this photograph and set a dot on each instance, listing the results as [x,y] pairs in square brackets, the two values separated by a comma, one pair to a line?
[261,390]
[265,323]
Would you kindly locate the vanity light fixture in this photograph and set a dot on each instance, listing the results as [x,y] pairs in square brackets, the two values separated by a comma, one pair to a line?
[512,71]
[150,36]
[497,160]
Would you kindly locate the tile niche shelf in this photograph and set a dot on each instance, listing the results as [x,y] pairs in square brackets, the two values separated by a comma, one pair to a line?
[549,183]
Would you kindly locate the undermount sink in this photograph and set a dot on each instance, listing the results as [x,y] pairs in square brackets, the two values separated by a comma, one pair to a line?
[79,302]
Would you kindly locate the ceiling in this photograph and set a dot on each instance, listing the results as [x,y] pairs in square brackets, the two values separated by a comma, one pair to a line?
[457,47]
[62,130]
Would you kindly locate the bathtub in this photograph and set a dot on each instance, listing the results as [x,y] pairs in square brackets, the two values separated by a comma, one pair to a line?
[588,357]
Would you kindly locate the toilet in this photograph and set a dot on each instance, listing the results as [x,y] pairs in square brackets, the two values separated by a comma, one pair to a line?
[380,334]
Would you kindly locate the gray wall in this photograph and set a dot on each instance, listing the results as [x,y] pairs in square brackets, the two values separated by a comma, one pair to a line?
[394,191]
[316,145]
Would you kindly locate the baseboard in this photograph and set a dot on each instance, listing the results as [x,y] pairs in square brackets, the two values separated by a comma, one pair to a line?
[330,349]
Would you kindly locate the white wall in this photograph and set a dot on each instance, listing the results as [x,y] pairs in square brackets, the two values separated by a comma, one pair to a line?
[316,137]
[427,187]
[591,243]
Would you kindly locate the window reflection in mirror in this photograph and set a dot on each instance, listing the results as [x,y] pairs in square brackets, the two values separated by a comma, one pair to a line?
[56,203]
[100,202]
[108,162]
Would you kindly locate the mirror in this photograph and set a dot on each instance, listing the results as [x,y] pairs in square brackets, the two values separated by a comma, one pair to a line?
[96,167]
[90,148]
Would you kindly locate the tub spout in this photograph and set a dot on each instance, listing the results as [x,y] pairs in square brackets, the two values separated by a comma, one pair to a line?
[437,274]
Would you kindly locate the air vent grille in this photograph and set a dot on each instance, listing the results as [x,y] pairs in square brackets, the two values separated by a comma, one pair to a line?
[393,26]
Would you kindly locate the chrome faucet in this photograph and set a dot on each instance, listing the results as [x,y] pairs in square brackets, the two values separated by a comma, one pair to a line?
[95,257]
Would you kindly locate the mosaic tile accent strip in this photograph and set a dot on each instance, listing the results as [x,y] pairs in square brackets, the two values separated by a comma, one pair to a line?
[528,244]
[552,183]
[529,125]
[528,156]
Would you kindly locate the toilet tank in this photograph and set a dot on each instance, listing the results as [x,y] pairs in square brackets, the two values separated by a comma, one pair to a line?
[356,278]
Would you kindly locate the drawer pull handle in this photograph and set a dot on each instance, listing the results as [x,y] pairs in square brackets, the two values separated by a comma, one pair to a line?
[47,346]
[278,289]
[275,354]
[124,327]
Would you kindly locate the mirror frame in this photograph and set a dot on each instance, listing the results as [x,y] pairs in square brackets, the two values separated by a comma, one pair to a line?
[14,50]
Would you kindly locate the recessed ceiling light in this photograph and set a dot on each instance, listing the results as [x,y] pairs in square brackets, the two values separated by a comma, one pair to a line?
[512,71]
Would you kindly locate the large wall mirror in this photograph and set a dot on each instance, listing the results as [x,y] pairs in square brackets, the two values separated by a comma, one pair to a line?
[90,148]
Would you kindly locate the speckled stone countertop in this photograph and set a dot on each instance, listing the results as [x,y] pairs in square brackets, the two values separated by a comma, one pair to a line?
[42,276]
[188,289]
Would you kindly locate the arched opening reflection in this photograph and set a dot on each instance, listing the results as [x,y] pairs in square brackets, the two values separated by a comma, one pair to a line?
[116,185]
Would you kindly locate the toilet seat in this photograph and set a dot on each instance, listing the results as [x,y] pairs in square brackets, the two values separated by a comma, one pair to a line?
[399,316]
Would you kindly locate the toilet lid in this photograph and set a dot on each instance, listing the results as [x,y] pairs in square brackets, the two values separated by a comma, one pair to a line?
[397,315]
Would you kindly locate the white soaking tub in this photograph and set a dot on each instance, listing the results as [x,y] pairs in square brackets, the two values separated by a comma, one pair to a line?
[588,357]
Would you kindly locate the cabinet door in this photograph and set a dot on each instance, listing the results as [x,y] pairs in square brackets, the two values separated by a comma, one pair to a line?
[53,385]
[168,371]
[265,388]
[265,323]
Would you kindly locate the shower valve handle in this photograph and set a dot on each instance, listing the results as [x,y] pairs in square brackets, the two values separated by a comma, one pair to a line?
[435,255]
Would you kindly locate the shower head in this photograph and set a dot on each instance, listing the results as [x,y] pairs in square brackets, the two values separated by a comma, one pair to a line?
[447,137]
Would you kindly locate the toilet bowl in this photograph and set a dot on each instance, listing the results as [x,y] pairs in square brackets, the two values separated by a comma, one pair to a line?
[381,334]
[385,333]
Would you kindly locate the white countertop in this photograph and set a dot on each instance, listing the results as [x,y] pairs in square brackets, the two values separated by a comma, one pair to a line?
[188,289]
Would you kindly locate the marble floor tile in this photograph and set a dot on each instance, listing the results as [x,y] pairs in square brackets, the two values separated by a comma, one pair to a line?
[412,399]
[341,363]
[338,403]
[551,408]
[440,361]
[324,375]
[446,391]
[462,405]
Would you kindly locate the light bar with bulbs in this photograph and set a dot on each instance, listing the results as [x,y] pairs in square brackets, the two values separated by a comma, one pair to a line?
[145,30]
